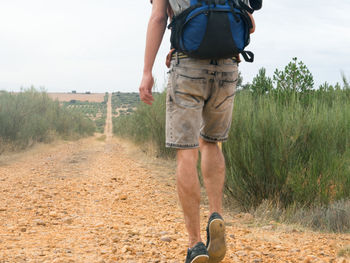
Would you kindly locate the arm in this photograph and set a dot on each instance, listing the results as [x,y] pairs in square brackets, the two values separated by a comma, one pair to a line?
[155,31]
[252,30]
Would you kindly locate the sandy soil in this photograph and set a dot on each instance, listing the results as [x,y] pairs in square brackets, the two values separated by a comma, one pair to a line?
[94,97]
[106,201]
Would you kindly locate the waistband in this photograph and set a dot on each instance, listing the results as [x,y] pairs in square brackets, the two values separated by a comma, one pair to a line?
[180,55]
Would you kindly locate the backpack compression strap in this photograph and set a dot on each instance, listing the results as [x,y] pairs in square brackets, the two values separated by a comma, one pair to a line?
[256,4]
[248,56]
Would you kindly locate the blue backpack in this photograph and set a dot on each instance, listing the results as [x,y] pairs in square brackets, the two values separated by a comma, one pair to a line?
[213,29]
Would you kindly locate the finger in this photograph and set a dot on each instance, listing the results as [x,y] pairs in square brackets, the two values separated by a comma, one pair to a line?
[145,94]
[148,99]
[149,102]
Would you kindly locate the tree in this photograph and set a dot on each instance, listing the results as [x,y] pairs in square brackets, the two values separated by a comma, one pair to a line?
[295,77]
[261,83]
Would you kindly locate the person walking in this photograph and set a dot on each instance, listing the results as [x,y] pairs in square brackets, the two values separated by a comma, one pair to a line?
[199,104]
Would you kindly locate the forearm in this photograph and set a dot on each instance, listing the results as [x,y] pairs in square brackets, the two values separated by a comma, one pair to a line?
[155,32]
[252,30]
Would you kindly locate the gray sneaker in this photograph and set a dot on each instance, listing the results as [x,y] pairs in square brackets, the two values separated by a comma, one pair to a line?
[216,244]
[197,254]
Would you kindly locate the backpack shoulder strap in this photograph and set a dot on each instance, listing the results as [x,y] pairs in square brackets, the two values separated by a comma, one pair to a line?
[242,5]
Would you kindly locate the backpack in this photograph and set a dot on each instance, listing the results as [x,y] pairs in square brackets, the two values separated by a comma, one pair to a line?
[213,29]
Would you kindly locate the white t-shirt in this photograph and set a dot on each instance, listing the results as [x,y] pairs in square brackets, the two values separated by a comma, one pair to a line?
[180,5]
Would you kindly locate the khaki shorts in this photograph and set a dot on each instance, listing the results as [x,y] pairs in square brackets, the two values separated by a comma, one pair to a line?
[200,96]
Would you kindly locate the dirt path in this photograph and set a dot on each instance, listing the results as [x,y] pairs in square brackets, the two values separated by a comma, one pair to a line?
[104,201]
[109,123]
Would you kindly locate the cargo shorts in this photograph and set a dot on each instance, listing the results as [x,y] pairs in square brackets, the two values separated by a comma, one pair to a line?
[199,102]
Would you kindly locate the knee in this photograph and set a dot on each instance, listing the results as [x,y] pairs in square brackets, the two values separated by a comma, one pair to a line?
[203,144]
[212,156]
[187,158]
[187,177]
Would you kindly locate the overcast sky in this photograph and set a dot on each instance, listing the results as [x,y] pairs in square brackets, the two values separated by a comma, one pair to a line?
[98,45]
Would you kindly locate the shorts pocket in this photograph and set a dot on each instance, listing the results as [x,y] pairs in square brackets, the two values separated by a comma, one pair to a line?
[188,90]
[225,94]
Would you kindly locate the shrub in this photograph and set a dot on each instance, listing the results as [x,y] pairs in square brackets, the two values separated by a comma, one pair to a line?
[31,116]
[261,84]
[334,217]
[295,77]
[291,144]
[145,124]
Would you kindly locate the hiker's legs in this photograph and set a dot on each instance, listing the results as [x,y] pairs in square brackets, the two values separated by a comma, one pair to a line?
[188,188]
[213,171]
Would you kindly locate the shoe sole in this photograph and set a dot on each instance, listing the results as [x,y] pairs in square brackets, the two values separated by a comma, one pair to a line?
[217,244]
[200,259]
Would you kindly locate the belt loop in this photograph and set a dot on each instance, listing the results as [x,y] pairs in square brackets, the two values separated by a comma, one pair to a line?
[214,62]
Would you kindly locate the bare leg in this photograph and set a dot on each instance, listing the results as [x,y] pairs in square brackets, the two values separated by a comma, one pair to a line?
[188,189]
[213,170]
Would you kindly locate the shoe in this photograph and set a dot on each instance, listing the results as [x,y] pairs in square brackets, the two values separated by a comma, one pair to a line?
[216,244]
[197,254]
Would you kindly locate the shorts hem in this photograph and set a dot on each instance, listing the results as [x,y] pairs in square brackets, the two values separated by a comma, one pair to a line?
[213,139]
[181,146]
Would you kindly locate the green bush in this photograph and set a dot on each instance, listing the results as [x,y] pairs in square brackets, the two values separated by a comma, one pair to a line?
[91,109]
[105,98]
[261,84]
[31,116]
[100,124]
[125,99]
[288,152]
[146,124]
[289,143]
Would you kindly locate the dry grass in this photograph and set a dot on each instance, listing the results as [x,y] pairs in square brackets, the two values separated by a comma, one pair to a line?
[93,97]
[102,138]
[332,218]
[344,252]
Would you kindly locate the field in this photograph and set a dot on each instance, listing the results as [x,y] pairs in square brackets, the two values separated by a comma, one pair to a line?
[93,97]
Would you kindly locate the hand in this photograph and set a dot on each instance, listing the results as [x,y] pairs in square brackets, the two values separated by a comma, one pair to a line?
[146,88]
